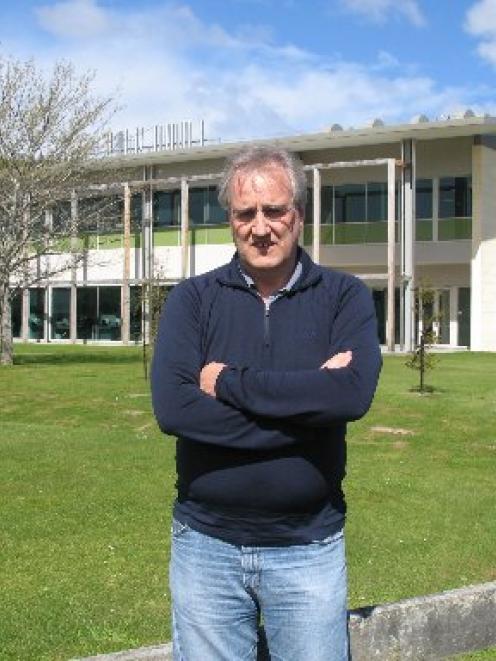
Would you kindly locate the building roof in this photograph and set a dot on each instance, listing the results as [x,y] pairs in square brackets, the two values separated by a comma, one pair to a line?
[335,137]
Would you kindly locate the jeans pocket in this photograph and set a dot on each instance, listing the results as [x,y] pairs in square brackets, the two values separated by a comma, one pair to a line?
[178,528]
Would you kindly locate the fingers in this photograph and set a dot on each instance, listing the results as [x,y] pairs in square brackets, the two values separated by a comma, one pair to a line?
[208,377]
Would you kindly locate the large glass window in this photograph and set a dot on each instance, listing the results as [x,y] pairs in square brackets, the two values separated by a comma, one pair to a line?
[61,313]
[99,313]
[166,208]
[326,204]
[135,313]
[109,313]
[216,214]
[36,321]
[197,206]
[444,316]
[16,312]
[136,210]
[455,197]
[61,215]
[349,201]
[423,198]
[204,207]
[87,313]
[377,194]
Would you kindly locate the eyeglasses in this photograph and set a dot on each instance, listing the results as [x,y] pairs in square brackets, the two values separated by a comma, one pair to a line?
[270,212]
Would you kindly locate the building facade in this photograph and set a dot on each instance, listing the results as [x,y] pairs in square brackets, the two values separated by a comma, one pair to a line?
[399,206]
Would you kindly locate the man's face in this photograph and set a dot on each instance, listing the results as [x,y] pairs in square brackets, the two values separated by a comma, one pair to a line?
[264,221]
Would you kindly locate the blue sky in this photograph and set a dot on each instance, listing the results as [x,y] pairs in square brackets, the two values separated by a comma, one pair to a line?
[268,67]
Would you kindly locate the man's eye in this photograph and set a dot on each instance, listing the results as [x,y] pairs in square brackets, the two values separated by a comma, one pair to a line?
[274,211]
[245,215]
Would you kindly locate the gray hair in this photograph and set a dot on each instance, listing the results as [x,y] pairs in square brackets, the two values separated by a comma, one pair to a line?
[249,159]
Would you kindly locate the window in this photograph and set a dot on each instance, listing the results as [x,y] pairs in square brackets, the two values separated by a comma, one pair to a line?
[166,208]
[197,206]
[16,312]
[99,313]
[377,201]
[455,197]
[61,216]
[350,203]
[136,211]
[423,198]
[216,214]
[326,204]
[36,318]
[61,312]
[135,313]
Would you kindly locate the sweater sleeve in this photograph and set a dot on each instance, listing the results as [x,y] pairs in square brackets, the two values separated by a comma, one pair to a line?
[317,397]
[180,406]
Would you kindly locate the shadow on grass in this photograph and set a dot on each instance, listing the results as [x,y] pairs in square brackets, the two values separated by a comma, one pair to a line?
[79,356]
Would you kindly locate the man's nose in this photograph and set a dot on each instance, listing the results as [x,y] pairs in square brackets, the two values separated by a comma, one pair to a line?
[260,227]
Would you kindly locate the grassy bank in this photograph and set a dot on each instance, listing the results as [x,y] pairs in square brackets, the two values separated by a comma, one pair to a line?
[87,482]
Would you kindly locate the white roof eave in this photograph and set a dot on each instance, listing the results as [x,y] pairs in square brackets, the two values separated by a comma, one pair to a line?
[450,128]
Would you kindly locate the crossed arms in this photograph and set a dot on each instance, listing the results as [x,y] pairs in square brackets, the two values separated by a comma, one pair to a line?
[254,408]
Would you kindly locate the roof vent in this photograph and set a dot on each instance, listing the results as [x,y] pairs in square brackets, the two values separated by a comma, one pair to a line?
[419,119]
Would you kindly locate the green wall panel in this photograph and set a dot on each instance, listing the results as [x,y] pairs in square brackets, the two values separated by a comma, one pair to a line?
[170,236]
[423,230]
[452,229]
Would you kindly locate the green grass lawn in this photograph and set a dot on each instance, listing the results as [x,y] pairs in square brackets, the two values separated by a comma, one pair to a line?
[87,482]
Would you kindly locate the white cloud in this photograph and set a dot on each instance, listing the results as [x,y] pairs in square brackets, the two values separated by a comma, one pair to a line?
[481,22]
[379,11]
[73,18]
[169,65]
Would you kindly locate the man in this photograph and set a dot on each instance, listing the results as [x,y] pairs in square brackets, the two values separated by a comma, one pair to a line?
[258,367]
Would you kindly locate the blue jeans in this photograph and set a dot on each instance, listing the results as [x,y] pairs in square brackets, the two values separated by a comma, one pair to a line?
[220,590]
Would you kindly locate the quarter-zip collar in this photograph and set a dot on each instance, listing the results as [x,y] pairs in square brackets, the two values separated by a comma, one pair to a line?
[232,276]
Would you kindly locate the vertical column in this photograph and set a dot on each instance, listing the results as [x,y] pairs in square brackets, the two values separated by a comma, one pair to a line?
[146,250]
[483,266]
[184,228]
[125,297]
[48,316]
[25,314]
[390,254]
[316,216]
[408,154]
[25,291]
[74,239]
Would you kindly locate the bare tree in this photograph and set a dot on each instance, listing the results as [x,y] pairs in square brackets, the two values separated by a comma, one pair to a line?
[50,126]
[421,358]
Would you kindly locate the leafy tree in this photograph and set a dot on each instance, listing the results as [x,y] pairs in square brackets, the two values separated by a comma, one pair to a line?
[421,358]
[50,126]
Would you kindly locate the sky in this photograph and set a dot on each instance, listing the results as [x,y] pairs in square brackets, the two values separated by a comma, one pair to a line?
[267,68]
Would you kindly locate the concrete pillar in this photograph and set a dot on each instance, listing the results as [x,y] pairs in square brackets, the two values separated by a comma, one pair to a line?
[483,267]
[407,234]
[25,314]
[184,228]
[316,216]
[74,240]
[146,248]
[125,293]
[391,266]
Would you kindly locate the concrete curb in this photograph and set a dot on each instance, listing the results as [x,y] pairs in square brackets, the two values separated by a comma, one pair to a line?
[426,628]
[420,629]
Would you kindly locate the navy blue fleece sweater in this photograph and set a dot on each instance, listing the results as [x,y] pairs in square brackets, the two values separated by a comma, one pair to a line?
[262,463]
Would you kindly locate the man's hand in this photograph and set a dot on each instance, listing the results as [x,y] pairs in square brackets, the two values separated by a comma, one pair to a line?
[208,377]
[337,361]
